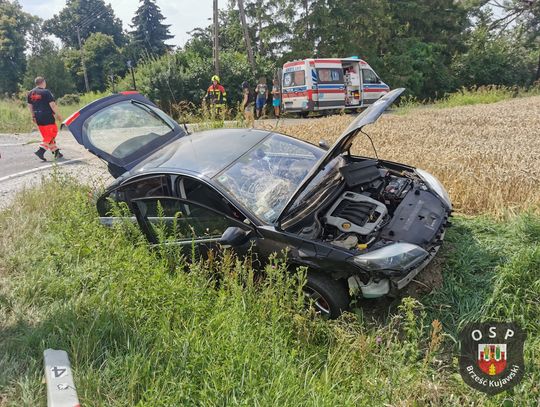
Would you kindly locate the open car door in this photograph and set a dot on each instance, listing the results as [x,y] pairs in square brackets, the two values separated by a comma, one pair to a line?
[123,129]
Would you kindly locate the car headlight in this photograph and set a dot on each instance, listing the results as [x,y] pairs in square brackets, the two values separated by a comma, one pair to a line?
[435,185]
[396,256]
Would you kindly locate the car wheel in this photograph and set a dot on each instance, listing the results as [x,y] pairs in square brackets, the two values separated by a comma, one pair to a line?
[329,297]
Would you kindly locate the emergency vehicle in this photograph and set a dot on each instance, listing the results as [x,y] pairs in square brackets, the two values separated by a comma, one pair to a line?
[322,84]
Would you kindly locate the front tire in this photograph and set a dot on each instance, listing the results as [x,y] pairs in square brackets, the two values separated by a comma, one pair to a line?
[329,297]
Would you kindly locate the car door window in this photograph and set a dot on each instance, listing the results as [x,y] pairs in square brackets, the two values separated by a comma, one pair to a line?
[140,188]
[133,126]
[198,192]
[181,220]
[369,76]
[330,75]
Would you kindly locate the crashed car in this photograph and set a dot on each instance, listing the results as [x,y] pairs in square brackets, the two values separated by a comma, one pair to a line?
[362,227]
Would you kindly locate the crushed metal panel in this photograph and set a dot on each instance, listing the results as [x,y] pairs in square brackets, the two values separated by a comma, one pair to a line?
[61,390]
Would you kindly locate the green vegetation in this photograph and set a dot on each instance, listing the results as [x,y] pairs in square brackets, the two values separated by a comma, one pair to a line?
[141,331]
[472,96]
[485,94]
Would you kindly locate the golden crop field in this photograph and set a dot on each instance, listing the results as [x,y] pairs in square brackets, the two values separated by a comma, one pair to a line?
[487,156]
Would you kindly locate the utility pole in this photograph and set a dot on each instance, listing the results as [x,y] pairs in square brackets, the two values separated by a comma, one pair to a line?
[82,62]
[216,38]
[246,35]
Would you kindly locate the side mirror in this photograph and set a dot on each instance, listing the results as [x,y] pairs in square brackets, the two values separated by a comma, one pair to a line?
[324,145]
[378,80]
[234,236]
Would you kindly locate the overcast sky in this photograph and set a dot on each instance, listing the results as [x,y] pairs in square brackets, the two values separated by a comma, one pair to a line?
[182,15]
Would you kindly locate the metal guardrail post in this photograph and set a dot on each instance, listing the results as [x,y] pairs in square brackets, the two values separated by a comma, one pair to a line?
[61,390]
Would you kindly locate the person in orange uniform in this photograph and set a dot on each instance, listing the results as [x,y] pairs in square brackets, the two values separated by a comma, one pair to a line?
[216,95]
[42,106]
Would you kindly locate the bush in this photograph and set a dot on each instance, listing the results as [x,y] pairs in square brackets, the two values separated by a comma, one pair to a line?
[69,99]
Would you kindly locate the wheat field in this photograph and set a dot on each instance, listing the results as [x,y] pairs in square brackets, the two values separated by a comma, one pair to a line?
[487,156]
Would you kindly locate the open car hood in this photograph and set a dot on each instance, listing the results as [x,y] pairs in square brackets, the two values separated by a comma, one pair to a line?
[344,142]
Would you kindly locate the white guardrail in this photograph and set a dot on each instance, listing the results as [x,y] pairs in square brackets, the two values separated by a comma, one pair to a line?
[61,390]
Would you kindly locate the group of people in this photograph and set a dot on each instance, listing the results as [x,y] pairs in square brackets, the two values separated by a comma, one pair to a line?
[253,100]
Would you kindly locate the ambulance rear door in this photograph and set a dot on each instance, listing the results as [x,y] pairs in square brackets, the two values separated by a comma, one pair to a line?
[295,85]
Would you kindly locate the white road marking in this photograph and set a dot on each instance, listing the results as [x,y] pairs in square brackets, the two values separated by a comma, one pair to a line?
[46,167]
[13,145]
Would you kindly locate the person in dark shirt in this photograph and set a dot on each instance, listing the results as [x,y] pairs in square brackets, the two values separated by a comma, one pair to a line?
[44,113]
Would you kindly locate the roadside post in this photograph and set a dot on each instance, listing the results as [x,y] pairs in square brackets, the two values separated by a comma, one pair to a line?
[61,390]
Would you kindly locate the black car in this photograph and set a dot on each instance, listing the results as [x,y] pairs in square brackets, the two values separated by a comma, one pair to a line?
[362,226]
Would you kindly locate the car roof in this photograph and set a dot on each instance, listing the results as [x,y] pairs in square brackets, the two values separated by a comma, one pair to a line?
[206,153]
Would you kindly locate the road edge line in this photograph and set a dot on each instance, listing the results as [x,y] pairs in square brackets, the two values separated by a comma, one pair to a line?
[32,170]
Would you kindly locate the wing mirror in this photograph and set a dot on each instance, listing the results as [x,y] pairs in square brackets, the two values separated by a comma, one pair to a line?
[324,145]
[234,236]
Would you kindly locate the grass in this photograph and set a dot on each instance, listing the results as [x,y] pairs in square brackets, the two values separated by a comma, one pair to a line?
[485,95]
[486,155]
[15,117]
[469,96]
[140,331]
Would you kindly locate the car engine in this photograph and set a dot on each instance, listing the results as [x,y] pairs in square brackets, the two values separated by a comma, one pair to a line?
[377,205]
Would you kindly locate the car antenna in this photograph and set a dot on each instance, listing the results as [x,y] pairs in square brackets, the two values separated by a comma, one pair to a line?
[372,145]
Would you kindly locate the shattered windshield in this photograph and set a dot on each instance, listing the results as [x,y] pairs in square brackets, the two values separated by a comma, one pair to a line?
[265,178]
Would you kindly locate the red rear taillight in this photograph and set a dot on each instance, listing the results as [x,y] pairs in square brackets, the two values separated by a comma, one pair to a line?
[71,118]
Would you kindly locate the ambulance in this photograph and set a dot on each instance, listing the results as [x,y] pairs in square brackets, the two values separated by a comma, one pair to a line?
[324,84]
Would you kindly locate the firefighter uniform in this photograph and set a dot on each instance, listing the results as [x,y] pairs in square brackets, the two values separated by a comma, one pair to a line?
[216,94]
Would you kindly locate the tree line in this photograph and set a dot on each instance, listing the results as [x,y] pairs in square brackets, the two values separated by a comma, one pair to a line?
[431,47]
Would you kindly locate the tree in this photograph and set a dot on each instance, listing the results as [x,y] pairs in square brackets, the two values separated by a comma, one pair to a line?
[523,18]
[14,24]
[47,62]
[149,32]
[492,59]
[102,58]
[87,17]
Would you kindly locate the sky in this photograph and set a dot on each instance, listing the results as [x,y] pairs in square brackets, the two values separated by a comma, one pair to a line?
[182,15]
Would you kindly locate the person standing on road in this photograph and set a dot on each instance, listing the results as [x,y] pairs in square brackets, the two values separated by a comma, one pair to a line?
[276,98]
[262,96]
[42,106]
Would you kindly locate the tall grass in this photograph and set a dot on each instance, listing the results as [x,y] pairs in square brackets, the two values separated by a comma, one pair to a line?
[14,117]
[141,331]
[469,96]
[484,95]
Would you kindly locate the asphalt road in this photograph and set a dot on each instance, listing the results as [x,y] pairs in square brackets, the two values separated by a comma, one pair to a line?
[20,168]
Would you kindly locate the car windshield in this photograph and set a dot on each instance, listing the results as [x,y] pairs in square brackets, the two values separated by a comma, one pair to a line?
[265,178]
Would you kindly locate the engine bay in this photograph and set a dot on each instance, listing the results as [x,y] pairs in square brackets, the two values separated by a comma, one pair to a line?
[377,205]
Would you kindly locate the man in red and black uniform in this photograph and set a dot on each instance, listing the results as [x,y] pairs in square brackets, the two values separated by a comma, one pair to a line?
[44,113]
[216,96]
